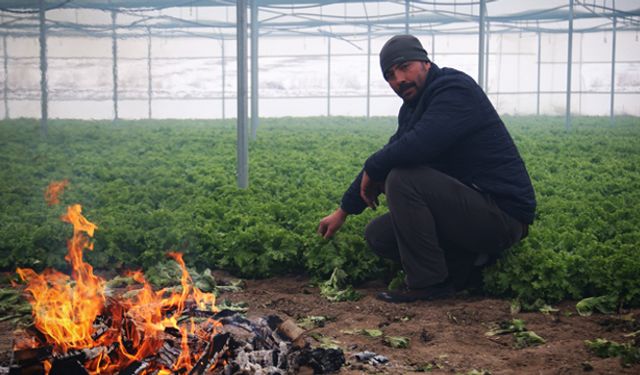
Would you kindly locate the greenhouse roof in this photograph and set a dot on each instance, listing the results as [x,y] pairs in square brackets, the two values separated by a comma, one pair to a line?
[350,19]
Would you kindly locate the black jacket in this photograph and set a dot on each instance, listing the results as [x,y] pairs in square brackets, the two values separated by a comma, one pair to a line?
[454,128]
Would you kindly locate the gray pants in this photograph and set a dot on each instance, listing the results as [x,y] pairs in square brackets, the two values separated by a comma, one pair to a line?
[437,227]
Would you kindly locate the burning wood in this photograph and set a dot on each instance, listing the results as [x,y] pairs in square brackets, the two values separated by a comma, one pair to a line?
[79,329]
[243,346]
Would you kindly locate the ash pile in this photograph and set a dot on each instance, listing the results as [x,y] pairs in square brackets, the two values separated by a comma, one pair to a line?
[237,345]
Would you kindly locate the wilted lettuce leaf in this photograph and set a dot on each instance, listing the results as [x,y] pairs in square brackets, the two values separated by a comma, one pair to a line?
[397,342]
[628,353]
[527,338]
[602,304]
[336,289]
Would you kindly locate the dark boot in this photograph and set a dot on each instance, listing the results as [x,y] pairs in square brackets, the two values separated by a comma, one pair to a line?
[442,290]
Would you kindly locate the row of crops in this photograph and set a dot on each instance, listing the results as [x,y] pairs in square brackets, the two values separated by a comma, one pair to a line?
[155,186]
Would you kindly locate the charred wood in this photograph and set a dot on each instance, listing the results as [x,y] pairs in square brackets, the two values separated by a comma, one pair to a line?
[290,331]
[135,368]
[25,357]
[33,369]
[67,367]
[321,360]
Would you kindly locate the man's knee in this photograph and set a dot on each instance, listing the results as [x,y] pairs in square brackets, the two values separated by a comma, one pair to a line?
[372,235]
[402,179]
[380,238]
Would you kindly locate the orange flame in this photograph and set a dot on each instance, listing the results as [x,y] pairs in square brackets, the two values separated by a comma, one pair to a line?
[54,190]
[65,309]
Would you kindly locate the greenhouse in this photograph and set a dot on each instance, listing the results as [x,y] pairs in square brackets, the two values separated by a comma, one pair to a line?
[177,177]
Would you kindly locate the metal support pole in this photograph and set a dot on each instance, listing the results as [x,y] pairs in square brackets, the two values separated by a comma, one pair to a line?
[149,75]
[6,77]
[486,59]
[44,110]
[368,71]
[481,25]
[254,68]
[613,66]
[433,46]
[114,51]
[538,76]
[580,74]
[567,118]
[243,139]
[406,16]
[222,62]
[499,67]
[328,76]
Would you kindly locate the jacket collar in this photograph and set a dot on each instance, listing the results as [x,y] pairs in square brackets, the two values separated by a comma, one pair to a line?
[434,72]
[418,105]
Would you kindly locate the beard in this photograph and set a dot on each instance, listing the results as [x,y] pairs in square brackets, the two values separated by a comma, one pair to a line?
[405,86]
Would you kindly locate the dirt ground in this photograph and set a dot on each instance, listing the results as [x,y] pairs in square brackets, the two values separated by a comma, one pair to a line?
[446,337]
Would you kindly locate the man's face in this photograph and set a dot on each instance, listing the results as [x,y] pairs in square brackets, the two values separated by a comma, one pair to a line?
[407,79]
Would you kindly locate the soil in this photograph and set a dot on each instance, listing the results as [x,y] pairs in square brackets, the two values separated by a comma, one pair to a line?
[446,337]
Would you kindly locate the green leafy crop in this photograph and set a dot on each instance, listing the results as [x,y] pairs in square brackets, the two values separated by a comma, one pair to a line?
[158,186]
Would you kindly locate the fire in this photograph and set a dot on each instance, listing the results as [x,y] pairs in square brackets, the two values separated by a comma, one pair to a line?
[54,190]
[65,309]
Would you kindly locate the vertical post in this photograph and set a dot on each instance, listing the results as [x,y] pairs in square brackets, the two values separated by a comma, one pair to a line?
[149,75]
[406,16]
[114,51]
[433,46]
[243,139]
[481,44]
[254,68]
[44,111]
[368,71]
[613,66]
[222,62]
[538,76]
[328,76]
[499,67]
[580,75]
[486,59]
[567,117]
[6,77]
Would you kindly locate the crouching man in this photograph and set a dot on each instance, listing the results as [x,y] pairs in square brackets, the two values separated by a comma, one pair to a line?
[457,189]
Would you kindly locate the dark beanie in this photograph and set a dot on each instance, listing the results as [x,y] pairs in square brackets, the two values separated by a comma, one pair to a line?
[399,49]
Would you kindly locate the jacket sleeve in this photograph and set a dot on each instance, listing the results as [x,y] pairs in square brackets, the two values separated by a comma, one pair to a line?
[452,115]
[352,203]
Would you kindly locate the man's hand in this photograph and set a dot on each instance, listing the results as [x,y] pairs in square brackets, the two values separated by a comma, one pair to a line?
[332,223]
[369,191]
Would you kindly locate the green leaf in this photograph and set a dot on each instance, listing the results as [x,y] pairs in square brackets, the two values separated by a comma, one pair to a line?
[527,338]
[226,304]
[13,307]
[504,327]
[397,342]
[230,286]
[546,309]
[336,288]
[397,281]
[603,348]
[515,307]
[372,332]
[364,332]
[479,372]
[311,322]
[325,342]
[602,304]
